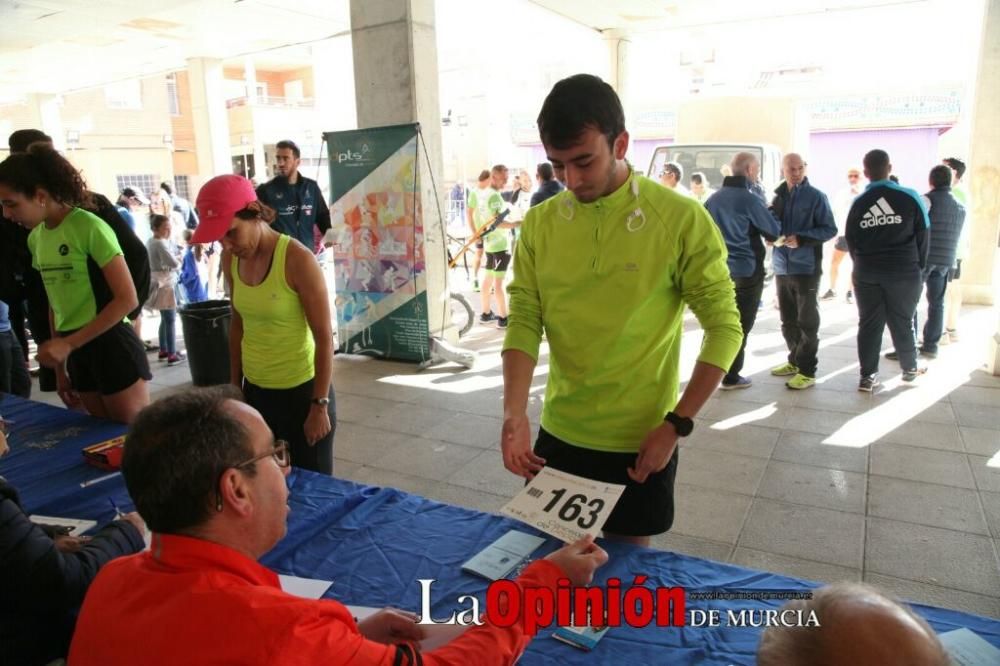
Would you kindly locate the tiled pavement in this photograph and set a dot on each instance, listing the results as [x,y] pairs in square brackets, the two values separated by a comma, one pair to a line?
[900,489]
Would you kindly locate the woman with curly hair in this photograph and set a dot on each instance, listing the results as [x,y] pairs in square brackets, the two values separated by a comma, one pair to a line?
[87,281]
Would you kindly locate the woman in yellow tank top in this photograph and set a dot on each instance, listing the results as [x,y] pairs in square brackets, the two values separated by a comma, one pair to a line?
[281,337]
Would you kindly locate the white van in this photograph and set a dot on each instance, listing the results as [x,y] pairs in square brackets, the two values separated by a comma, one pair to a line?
[709,158]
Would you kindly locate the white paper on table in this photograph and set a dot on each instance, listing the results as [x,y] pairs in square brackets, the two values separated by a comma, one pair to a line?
[308,588]
[564,505]
[76,526]
[435,635]
[967,648]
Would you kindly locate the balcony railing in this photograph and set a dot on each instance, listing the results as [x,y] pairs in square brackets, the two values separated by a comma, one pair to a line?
[273,102]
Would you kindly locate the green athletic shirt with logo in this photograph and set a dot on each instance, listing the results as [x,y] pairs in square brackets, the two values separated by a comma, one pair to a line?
[611,303]
[60,255]
[485,204]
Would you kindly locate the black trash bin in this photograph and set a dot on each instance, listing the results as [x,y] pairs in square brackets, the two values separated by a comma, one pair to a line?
[206,336]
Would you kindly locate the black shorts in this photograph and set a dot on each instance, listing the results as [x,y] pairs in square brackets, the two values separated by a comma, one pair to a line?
[841,244]
[644,508]
[109,363]
[497,262]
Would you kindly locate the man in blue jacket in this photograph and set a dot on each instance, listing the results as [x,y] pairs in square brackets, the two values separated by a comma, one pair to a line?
[743,218]
[297,199]
[806,223]
[887,237]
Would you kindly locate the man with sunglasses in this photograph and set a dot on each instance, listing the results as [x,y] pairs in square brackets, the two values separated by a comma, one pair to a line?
[209,478]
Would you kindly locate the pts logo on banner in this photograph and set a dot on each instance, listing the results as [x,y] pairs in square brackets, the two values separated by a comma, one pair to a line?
[354,157]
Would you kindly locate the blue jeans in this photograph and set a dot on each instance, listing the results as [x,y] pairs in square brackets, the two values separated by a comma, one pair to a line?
[935,286]
[168,333]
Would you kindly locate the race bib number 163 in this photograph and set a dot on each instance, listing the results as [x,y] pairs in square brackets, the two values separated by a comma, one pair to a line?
[564,505]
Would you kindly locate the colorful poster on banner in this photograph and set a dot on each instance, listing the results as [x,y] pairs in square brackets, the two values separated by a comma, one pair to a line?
[381,297]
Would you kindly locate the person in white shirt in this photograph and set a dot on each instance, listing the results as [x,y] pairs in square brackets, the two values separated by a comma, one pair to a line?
[841,206]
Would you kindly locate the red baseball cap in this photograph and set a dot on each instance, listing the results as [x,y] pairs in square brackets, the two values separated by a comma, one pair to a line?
[218,201]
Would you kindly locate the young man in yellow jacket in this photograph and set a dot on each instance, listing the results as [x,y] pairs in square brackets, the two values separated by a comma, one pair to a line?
[604,270]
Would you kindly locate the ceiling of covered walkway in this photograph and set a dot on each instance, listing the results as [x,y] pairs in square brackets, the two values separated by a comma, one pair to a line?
[58,46]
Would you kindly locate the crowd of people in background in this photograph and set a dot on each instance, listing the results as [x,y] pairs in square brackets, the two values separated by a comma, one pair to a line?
[72,256]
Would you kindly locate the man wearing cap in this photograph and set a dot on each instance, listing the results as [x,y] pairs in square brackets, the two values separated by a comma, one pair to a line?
[128,201]
[297,199]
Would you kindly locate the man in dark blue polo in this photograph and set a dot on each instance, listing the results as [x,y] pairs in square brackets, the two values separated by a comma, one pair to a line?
[297,199]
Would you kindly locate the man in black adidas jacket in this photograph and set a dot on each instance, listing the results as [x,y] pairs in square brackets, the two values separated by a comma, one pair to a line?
[947,217]
[887,236]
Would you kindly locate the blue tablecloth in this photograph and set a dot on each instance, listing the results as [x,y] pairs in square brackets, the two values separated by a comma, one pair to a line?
[375,543]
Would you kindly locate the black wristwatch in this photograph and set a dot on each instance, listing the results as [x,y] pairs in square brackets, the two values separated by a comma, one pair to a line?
[682,424]
[323,402]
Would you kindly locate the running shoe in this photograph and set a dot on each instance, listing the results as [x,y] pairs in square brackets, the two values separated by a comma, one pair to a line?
[800,382]
[740,383]
[785,370]
[868,384]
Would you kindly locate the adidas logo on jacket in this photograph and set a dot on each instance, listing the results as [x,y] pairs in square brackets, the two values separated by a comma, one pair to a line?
[887,231]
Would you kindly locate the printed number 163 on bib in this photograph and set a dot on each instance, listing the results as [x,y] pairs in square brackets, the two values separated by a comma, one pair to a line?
[564,505]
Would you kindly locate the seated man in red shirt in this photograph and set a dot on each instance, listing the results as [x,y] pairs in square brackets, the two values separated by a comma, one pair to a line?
[209,479]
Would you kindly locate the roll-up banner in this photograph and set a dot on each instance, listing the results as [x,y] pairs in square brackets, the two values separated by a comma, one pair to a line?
[381,284]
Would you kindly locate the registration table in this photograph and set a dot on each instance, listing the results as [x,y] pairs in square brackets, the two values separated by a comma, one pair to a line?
[376,543]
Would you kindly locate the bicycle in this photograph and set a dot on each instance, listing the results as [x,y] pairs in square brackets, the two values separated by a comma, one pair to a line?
[462,314]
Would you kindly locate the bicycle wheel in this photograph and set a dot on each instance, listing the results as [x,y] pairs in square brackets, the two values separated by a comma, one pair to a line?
[462,315]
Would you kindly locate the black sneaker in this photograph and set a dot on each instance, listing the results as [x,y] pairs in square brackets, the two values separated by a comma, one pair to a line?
[829,295]
[487,317]
[868,384]
[892,356]
[927,353]
[501,322]
[910,375]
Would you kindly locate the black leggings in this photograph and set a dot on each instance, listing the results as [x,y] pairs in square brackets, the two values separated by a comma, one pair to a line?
[285,411]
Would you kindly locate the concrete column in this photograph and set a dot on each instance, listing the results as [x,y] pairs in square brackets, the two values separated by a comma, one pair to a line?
[211,124]
[982,281]
[46,108]
[396,81]
[333,83]
[250,80]
[619,46]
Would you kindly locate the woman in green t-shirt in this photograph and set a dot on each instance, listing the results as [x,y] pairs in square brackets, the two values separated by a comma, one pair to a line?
[99,361]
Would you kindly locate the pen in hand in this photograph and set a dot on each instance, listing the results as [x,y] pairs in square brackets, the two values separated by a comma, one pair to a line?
[118,512]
